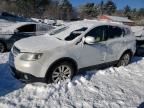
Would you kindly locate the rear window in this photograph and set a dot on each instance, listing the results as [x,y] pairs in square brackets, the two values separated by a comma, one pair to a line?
[27,28]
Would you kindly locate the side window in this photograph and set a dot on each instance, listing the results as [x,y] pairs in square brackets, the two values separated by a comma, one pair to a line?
[114,32]
[99,33]
[27,28]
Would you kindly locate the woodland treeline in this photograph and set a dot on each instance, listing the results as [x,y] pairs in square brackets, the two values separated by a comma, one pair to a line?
[64,10]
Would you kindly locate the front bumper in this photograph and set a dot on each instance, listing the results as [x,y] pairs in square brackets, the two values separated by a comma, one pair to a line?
[25,77]
[25,71]
[33,68]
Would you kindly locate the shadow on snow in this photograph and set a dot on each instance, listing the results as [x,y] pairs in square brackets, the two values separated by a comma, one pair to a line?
[7,82]
[141,105]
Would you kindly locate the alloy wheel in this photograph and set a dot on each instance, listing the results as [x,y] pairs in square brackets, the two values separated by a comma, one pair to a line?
[61,73]
[125,60]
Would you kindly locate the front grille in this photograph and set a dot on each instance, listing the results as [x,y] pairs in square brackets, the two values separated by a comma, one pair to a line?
[15,51]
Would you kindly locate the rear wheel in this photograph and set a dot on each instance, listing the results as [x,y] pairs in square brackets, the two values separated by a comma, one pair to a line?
[2,47]
[124,60]
[60,72]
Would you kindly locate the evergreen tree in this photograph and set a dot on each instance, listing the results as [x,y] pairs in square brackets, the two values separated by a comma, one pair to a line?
[141,12]
[101,7]
[134,13]
[65,9]
[110,7]
[33,8]
[127,11]
[89,10]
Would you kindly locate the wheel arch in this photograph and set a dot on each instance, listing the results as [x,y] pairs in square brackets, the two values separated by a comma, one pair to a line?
[127,51]
[65,59]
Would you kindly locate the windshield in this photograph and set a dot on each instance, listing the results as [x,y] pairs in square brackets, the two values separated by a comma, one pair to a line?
[75,34]
[67,33]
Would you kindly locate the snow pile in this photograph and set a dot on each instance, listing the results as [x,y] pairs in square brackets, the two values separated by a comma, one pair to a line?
[110,88]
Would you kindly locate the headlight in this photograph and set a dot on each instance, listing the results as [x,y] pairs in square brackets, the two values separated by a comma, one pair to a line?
[31,56]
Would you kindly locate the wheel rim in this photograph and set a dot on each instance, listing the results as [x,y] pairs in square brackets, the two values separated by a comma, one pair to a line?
[61,73]
[1,48]
[125,60]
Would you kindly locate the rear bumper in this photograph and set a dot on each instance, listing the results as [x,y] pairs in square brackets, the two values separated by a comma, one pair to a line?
[25,77]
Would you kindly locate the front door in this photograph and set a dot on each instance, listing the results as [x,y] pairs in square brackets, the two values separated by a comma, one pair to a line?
[94,54]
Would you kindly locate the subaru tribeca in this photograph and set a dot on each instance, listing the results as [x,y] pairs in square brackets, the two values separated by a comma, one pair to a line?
[59,55]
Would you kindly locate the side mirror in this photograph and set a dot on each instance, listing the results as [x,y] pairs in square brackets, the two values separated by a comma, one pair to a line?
[89,40]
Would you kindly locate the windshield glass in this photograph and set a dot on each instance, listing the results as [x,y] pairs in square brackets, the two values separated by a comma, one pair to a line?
[75,34]
[67,33]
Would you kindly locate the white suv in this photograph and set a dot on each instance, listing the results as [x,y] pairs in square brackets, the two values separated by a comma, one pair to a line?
[60,54]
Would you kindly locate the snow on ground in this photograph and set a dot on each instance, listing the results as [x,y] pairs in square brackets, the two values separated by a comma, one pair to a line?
[110,88]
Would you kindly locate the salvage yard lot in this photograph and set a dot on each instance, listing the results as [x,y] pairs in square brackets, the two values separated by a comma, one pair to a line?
[109,88]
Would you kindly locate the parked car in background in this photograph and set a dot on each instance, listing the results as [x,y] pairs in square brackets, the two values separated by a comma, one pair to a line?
[139,34]
[17,31]
[13,18]
[81,45]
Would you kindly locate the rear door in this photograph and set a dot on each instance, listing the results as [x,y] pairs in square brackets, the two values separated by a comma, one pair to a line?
[114,43]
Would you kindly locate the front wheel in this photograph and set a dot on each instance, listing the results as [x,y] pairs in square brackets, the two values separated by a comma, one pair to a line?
[124,60]
[60,72]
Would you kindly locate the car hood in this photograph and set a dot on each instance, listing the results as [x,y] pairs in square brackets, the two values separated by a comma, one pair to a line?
[38,44]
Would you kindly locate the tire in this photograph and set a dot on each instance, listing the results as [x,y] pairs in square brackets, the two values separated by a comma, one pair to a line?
[2,47]
[60,72]
[124,60]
